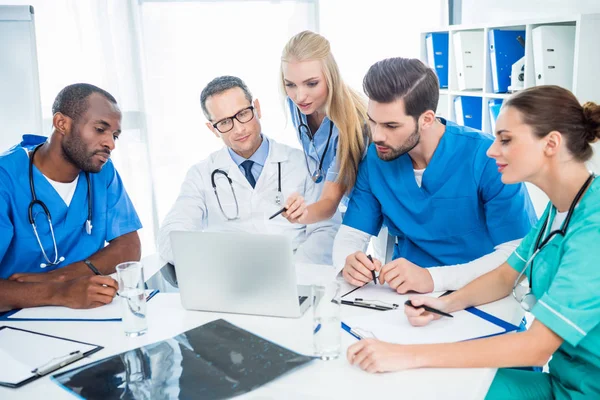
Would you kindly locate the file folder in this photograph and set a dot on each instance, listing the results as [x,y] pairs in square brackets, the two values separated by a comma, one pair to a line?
[494,106]
[437,55]
[505,50]
[107,313]
[553,51]
[467,110]
[469,58]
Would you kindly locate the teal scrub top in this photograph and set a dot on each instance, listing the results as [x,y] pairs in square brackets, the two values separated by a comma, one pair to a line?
[113,214]
[461,211]
[566,282]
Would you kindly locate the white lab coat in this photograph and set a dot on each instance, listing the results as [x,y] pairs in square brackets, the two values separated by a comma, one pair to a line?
[197,209]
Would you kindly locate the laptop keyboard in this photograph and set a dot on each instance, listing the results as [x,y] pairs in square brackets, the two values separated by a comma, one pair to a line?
[302,299]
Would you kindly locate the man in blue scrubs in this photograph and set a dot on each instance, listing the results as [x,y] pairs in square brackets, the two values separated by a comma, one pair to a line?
[430,182]
[81,204]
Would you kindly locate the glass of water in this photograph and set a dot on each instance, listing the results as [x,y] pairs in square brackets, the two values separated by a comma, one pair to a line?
[133,300]
[325,302]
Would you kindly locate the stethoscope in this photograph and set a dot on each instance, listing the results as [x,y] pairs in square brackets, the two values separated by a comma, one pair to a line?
[34,201]
[529,300]
[318,175]
[278,196]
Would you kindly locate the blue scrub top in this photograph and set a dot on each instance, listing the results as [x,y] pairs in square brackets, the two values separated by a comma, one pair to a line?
[330,166]
[461,211]
[113,214]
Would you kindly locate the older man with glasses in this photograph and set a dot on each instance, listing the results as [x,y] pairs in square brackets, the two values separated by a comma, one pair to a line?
[240,187]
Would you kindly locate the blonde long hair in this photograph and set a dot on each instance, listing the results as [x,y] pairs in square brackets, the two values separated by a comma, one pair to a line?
[344,107]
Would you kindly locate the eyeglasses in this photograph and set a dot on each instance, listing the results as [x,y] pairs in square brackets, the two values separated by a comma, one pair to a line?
[226,124]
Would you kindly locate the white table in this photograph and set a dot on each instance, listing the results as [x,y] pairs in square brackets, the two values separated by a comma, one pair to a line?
[335,379]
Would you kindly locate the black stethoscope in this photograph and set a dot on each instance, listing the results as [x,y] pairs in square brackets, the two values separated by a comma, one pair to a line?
[318,175]
[34,201]
[278,196]
[529,300]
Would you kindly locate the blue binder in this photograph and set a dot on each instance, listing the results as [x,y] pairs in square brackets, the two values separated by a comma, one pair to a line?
[494,106]
[467,110]
[437,55]
[505,50]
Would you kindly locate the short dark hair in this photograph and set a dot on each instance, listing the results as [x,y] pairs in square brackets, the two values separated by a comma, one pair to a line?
[219,85]
[407,78]
[72,100]
[553,108]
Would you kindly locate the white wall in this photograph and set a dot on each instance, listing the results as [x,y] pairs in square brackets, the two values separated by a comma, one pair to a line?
[364,32]
[484,11]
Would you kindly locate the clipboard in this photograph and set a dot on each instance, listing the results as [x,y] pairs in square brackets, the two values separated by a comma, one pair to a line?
[107,313]
[497,325]
[27,355]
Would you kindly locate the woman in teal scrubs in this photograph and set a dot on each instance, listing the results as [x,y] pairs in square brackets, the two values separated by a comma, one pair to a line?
[543,136]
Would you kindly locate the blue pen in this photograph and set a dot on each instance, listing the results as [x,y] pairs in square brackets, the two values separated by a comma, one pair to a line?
[350,331]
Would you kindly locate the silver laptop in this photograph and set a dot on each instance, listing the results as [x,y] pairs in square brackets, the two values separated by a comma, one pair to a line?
[237,272]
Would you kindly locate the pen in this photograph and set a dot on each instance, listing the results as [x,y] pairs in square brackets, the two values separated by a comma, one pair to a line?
[277,213]
[53,366]
[372,271]
[95,271]
[364,304]
[430,309]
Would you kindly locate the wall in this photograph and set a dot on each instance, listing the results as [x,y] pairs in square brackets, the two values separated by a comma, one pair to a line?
[484,11]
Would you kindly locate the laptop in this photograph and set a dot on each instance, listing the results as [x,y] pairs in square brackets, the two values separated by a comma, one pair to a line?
[238,272]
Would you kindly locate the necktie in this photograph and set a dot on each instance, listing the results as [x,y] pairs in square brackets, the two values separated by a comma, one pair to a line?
[247,165]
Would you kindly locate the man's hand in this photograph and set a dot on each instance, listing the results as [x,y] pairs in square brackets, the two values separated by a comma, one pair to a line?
[64,274]
[358,267]
[87,292]
[296,209]
[373,355]
[403,276]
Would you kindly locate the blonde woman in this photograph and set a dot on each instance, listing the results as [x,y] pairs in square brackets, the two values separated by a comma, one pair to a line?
[330,121]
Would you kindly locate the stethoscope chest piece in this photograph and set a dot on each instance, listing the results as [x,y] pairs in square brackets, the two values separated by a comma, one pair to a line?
[317,176]
[528,301]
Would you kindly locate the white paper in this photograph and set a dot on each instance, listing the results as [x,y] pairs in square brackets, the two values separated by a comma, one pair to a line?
[21,352]
[111,311]
[382,293]
[393,327]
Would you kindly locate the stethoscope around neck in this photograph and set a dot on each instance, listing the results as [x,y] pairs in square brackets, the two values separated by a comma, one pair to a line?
[318,174]
[529,299]
[35,201]
[278,196]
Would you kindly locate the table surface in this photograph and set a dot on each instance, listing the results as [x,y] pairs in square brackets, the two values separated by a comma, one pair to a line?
[316,380]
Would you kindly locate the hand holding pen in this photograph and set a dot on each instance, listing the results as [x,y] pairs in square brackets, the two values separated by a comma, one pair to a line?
[360,269]
[295,209]
[422,310]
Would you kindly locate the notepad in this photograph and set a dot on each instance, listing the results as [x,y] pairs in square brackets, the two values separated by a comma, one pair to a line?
[393,327]
[22,351]
[108,312]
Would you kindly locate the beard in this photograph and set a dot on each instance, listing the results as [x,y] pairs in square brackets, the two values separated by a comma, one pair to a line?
[411,142]
[76,152]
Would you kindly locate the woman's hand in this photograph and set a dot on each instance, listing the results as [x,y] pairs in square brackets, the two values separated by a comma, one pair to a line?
[373,355]
[297,210]
[418,316]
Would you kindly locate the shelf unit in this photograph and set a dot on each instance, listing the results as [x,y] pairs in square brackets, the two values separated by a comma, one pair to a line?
[585,84]
[586,60]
